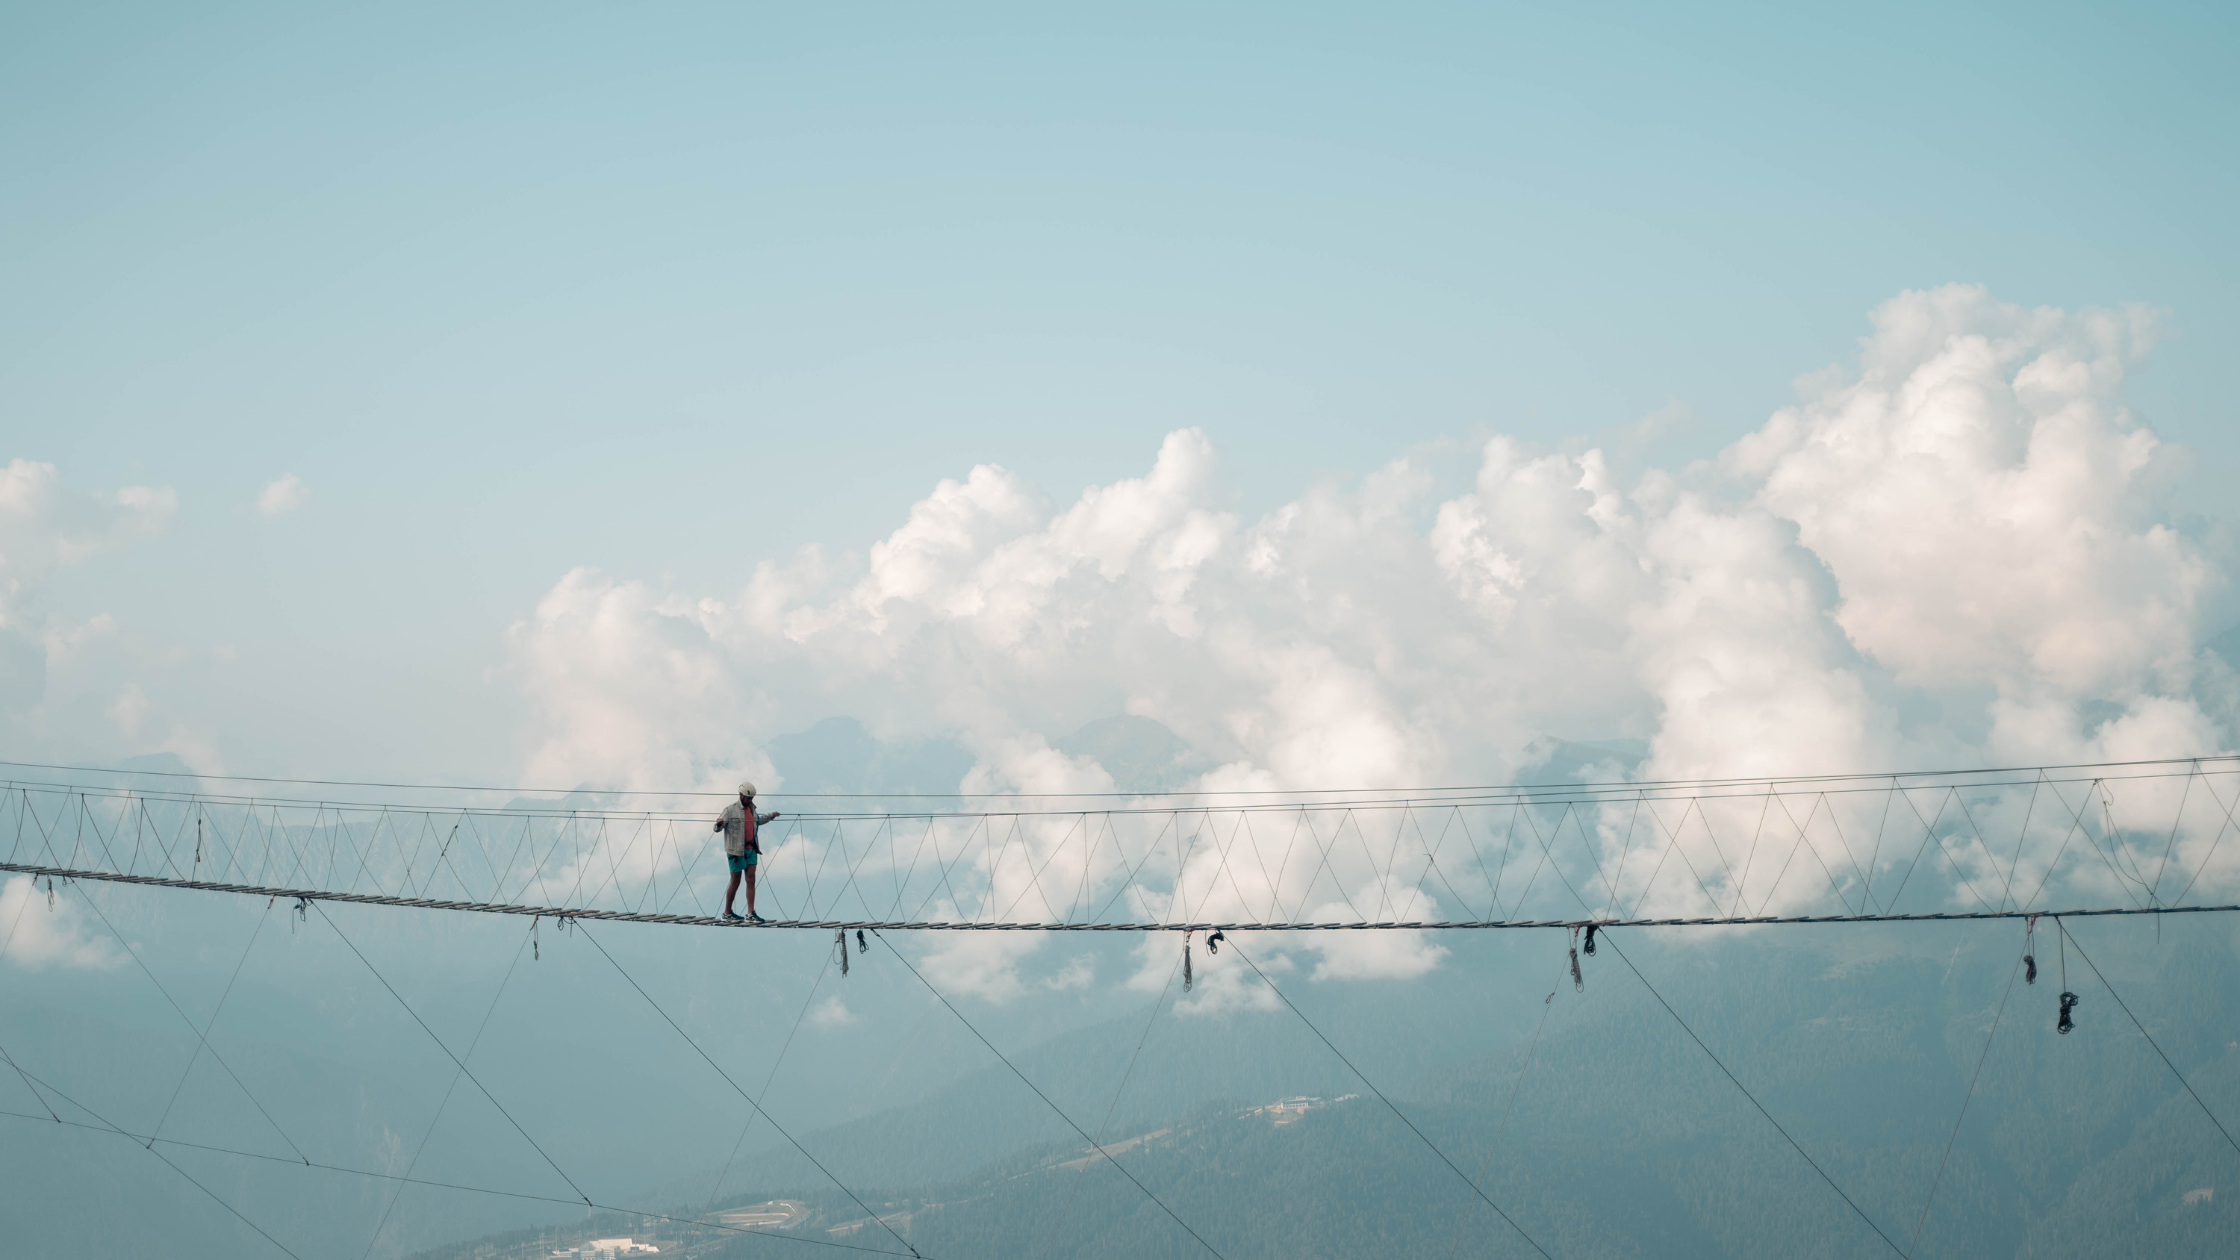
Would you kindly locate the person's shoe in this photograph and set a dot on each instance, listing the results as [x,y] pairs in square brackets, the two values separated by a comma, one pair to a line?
[731,916]
[756,918]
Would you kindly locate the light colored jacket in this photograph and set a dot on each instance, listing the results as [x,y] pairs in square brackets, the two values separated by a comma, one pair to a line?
[733,825]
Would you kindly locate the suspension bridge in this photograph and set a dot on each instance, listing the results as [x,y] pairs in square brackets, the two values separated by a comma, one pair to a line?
[2108,839]
[2036,842]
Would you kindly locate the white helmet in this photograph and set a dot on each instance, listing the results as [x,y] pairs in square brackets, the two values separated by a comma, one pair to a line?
[746,790]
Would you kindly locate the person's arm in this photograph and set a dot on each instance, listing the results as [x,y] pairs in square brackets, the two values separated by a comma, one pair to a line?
[760,819]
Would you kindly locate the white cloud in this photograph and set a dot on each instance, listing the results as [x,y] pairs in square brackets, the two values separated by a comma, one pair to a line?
[1967,518]
[987,965]
[40,933]
[282,495]
[43,528]
[634,692]
[1985,501]
[833,1012]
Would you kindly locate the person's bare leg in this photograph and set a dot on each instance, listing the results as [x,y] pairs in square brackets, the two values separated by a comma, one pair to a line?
[733,891]
[750,892]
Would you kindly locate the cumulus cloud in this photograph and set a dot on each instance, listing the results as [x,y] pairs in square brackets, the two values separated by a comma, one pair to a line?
[1984,500]
[1965,521]
[633,691]
[282,495]
[42,933]
[45,527]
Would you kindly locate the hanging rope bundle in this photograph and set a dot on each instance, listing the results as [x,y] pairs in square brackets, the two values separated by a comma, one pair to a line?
[861,948]
[1213,943]
[1578,981]
[840,938]
[2068,1000]
[2029,950]
[1590,940]
[1186,977]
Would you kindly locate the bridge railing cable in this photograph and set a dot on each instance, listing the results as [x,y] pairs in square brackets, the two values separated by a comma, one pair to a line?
[1726,852]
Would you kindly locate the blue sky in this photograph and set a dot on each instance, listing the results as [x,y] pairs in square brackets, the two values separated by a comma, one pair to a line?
[1376,391]
[669,291]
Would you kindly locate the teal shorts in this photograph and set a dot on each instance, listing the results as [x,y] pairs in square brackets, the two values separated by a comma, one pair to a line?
[740,861]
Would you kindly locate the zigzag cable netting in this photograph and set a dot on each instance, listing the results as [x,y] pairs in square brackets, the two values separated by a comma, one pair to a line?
[2140,837]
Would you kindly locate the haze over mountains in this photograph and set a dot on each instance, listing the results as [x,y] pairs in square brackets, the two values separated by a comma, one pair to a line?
[1625,1140]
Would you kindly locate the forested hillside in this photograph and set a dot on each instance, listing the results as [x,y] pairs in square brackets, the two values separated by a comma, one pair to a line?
[1626,1140]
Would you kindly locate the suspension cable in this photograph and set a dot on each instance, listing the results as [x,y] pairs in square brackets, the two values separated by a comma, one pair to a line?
[1547,1005]
[1752,1097]
[1093,1143]
[202,1040]
[437,1119]
[2064,930]
[463,1070]
[751,1101]
[1474,1187]
[28,893]
[149,1147]
[138,1138]
[1915,1241]
[775,1064]
[1050,1245]
[213,1020]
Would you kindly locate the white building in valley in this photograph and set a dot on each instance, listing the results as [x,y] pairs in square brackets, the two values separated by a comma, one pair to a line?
[606,1249]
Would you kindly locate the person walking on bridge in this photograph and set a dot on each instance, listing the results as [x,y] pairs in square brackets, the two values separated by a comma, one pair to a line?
[741,846]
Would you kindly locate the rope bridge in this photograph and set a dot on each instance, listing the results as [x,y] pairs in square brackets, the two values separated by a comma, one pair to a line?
[2139,837]
[2116,838]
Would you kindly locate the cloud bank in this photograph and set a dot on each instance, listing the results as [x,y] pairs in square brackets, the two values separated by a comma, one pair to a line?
[1953,551]
[1968,517]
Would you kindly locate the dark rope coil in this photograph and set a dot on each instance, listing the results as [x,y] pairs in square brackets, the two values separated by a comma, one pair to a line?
[1590,940]
[2029,950]
[1213,943]
[2068,1003]
[861,948]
